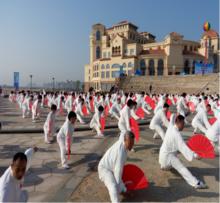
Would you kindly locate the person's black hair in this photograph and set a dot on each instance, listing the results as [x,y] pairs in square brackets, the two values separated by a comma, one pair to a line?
[130,134]
[53,107]
[19,156]
[179,118]
[208,105]
[184,94]
[71,114]
[130,103]
[101,108]
[166,105]
[39,97]
[134,103]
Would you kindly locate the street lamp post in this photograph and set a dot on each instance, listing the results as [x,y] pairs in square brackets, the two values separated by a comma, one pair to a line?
[31,76]
[53,83]
[174,69]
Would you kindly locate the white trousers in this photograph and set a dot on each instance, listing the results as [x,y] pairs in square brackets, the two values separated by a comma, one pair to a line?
[96,128]
[108,178]
[115,115]
[159,130]
[47,136]
[182,170]
[63,149]
[79,118]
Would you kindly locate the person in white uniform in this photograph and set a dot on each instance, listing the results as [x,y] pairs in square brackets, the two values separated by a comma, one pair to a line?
[174,143]
[158,120]
[111,166]
[124,120]
[12,180]
[115,109]
[36,108]
[200,121]
[64,138]
[49,125]
[95,121]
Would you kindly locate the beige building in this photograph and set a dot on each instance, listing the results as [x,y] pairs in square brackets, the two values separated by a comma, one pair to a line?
[123,48]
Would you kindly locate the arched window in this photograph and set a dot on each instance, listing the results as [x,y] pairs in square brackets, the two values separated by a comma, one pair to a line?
[98,35]
[97,52]
[115,66]
[103,66]
[160,67]
[124,65]
[107,66]
[186,67]
[143,67]
[151,67]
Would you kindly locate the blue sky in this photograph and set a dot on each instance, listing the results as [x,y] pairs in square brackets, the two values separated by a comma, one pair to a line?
[50,38]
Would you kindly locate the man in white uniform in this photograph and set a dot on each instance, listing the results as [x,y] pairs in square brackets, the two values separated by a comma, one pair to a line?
[12,179]
[174,143]
[158,120]
[110,167]
[200,121]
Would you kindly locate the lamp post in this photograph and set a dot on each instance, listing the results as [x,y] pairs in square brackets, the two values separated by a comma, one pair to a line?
[31,76]
[53,83]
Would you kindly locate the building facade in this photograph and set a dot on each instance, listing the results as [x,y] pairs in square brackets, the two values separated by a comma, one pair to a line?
[122,49]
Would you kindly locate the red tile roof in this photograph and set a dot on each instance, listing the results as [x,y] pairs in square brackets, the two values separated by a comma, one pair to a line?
[211,33]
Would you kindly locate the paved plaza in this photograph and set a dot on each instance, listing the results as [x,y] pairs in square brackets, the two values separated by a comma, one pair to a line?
[47,181]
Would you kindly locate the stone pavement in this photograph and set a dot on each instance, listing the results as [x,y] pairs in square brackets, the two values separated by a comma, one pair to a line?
[47,181]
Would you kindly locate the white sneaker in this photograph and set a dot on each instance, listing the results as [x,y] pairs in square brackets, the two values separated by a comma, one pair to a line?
[155,136]
[132,150]
[201,185]
[66,166]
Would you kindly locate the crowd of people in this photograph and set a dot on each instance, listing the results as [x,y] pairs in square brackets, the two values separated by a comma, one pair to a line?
[121,107]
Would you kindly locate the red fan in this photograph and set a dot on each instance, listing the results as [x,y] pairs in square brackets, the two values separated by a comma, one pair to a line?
[134,178]
[134,128]
[191,106]
[148,99]
[152,104]
[202,146]
[106,110]
[211,113]
[212,120]
[84,110]
[175,100]
[92,106]
[140,112]
[169,102]
[102,122]
[168,115]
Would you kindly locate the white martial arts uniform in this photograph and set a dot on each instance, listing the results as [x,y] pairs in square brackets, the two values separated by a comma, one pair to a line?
[65,133]
[124,121]
[181,106]
[10,187]
[25,107]
[200,121]
[35,110]
[115,110]
[79,113]
[172,143]
[49,126]
[156,123]
[95,123]
[110,169]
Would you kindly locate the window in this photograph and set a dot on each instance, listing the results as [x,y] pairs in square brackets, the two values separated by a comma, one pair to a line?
[107,74]
[124,65]
[98,35]
[115,74]
[103,66]
[104,55]
[115,66]
[191,48]
[97,52]
[107,66]
[130,65]
[109,54]
[103,74]
[89,71]
[131,51]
